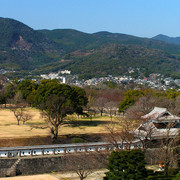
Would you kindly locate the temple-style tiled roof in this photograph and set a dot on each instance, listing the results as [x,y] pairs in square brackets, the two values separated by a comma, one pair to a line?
[160,114]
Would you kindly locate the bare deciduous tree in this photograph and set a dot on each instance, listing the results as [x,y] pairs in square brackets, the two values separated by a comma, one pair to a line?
[111,108]
[17,106]
[122,132]
[100,104]
[83,164]
[144,133]
[145,104]
[26,116]
[170,147]
[18,113]
[177,106]
[90,107]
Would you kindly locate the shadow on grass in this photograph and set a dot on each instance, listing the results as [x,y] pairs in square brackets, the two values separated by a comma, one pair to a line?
[34,123]
[45,140]
[88,123]
[10,124]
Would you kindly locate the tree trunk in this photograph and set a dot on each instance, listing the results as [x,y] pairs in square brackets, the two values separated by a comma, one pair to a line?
[166,165]
[54,134]
[90,117]
[111,116]
[81,177]
[101,112]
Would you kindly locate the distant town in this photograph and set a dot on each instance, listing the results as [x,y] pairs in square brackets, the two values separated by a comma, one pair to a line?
[154,81]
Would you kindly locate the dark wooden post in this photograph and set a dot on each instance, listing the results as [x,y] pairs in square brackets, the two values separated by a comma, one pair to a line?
[8,154]
[75,149]
[31,152]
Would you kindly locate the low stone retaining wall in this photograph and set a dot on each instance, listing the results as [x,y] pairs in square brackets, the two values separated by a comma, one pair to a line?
[31,166]
[39,165]
[10,171]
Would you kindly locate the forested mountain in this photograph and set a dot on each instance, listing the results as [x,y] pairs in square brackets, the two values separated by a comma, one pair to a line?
[97,54]
[21,47]
[16,35]
[73,40]
[164,38]
[115,59]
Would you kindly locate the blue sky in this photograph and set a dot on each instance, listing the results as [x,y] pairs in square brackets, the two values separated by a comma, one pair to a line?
[143,18]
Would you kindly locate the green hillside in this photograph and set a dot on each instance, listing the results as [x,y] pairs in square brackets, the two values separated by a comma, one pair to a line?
[115,60]
[73,40]
[21,47]
[89,55]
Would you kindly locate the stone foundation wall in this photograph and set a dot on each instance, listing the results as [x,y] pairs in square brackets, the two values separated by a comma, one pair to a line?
[33,165]
[41,165]
[7,172]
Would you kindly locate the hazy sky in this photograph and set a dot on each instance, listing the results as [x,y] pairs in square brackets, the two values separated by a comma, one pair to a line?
[144,18]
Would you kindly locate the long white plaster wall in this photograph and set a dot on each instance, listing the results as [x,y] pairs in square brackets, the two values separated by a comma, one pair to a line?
[25,152]
[59,150]
[62,150]
[101,148]
[70,150]
[91,148]
[48,151]
[81,149]
[3,154]
[37,152]
[13,153]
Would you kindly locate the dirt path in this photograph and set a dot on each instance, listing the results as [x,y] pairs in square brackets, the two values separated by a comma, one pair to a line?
[96,175]
[34,177]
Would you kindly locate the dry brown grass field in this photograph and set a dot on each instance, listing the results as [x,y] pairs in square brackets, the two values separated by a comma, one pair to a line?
[10,130]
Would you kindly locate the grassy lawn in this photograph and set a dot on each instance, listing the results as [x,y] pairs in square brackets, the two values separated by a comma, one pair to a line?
[81,125]
[10,129]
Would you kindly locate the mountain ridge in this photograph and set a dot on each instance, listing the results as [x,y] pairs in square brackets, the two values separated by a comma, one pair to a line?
[24,48]
[167,39]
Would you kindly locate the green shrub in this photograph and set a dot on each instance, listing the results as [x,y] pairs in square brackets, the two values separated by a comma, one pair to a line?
[150,172]
[177,176]
[173,171]
[150,177]
[126,165]
[160,177]
[78,140]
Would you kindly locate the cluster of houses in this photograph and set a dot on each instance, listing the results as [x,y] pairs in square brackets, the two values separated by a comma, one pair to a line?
[160,83]
[59,75]
[154,81]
